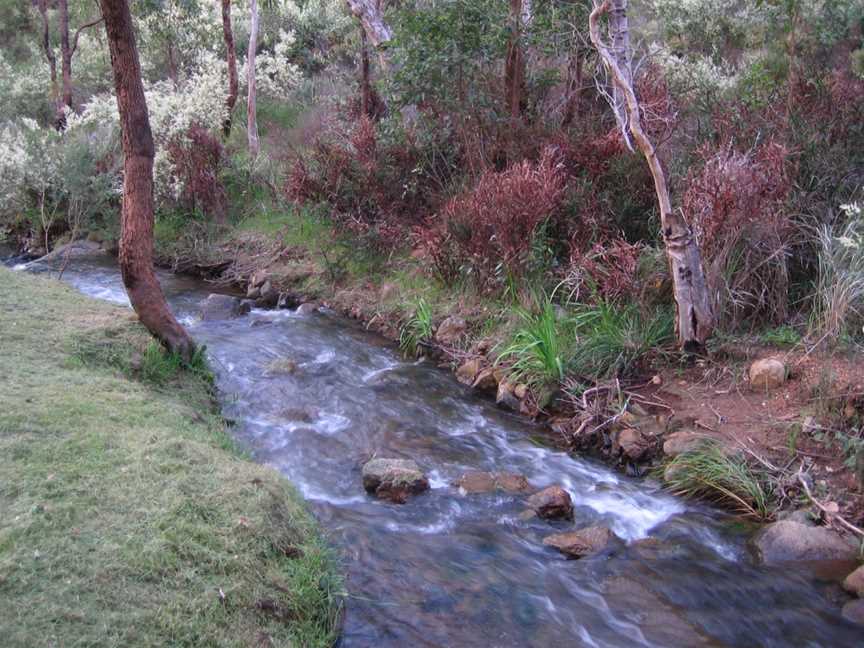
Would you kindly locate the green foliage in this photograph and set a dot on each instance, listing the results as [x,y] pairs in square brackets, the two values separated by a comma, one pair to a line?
[616,338]
[710,473]
[539,349]
[782,336]
[417,329]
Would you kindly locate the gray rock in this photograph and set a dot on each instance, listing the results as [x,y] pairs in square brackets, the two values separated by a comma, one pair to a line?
[394,479]
[451,330]
[72,250]
[768,373]
[552,503]
[221,307]
[787,540]
[307,308]
[684,441]
[584,542]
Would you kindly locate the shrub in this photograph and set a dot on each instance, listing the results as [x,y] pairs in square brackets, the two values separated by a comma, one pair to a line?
[708,472]
[197,159]
[839,299]
[609,269]
[490,228]
[736,205]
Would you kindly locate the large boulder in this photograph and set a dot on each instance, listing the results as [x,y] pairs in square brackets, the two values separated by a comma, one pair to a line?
[854,611]
[73,249]
[788,540]
[854,582]
[451,330]
[221,307]
[584,542]
[768,373]
[552,503]
[394,479]
[472,483]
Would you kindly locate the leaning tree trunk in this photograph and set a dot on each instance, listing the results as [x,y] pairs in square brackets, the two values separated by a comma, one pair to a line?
[372,18]
[231,57]
[251,107]
[694,318]
[136,224]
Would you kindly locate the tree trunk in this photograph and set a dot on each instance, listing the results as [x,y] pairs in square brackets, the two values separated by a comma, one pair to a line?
[573,90]
[59,121]
[372,18]
[136,225]
[514,73]
[231,57]
[65,51]
[694,318]
[251,108]
[619,35]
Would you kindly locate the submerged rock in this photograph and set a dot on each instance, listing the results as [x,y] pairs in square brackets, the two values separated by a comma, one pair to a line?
[282,366]
[854,611]
[854,582]
[394,479]
[787,540]
[307,308]
[584,542]
[487,482]
[768,373]
[221,307]
[552,503]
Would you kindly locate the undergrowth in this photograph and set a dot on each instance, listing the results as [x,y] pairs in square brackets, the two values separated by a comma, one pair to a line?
[417,329]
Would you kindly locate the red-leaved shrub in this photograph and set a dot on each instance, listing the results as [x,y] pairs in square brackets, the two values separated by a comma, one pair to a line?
[489,229]
[197,158]
[736,205]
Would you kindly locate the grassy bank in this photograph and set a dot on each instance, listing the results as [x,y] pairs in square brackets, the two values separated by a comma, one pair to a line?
[126,518]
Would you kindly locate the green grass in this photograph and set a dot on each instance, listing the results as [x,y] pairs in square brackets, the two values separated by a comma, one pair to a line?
[614,339]
[126,516]
[707,472]
[539,347]
[417,329]
[781,336]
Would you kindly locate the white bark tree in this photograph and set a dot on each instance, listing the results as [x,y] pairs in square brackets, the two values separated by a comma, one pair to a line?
[694,317]
[251,97]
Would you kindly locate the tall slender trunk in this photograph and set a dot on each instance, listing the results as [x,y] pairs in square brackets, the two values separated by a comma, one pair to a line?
[65,51]
[365,81]
[694,317]
[514,71]
[372,18]
[251,107]
[59,121]
[231,57]
[619,35]
[136,224]
[573,90]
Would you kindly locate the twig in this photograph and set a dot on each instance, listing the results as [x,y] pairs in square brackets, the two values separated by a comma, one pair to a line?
[829,515]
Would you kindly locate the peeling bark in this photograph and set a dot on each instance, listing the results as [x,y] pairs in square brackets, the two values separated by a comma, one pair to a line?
[136,225]
[251,98]
[372,18]
[694,317]
[231,58]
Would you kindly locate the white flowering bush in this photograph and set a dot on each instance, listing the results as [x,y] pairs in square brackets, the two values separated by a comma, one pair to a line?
[275,74]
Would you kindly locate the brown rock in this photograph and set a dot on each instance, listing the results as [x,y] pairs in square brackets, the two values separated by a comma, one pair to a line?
[486,381]
[506,397]
[768,373]
[633,444]
[394,479]
[520,391]
[578,544]
[854,582]
[683,441]
[451,330]
[258,278]
[487,482]
[854,611]
[468,371]
[552,503]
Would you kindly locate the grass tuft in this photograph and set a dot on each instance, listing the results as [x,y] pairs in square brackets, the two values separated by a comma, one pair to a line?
[708,473]
[417,329]
[539,348]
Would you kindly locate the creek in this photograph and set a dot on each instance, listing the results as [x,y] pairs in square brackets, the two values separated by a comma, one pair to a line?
[448,569]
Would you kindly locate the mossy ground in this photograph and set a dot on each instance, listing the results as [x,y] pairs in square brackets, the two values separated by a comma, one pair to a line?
[126,515]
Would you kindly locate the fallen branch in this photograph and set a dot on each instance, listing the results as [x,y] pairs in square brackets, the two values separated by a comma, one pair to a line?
[829,515]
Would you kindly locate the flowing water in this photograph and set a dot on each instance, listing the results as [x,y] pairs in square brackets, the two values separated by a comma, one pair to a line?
[457,570]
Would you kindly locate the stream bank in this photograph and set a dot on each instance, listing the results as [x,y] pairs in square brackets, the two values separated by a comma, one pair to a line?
[316,397]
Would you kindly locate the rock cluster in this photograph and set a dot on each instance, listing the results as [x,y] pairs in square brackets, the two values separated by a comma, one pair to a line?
[394,479]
